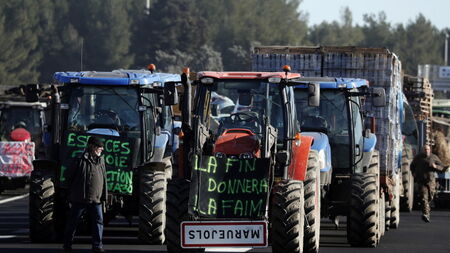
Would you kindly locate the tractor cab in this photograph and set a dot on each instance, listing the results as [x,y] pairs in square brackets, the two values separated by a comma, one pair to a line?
[339,116]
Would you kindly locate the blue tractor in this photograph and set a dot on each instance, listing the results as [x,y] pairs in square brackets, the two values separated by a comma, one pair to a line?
[131,111]
[352,187]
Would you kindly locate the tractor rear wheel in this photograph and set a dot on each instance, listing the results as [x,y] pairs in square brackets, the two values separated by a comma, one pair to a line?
[152,206]
[312,204]
[382,214]
[362,221]
[287,217]
[387,215]
[41,207]
[374,168]
[395,207]
[407,200]
[406,204]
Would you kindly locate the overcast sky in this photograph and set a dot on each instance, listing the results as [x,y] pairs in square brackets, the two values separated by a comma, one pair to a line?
[397,11]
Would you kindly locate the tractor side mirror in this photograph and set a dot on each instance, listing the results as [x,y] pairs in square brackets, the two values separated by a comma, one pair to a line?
[170,93]
[31,92]
[313,94]
[378,97]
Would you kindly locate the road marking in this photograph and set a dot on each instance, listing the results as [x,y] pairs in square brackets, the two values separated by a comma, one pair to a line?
[14,198]
[7,236]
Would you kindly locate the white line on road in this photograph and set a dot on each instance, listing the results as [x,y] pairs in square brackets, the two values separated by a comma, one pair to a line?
[3,201]
[7,236]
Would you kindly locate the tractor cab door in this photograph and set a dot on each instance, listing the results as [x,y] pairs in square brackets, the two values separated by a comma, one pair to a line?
[357,129]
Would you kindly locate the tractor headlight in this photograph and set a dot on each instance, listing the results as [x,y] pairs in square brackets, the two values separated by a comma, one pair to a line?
[220,155]
[246,155]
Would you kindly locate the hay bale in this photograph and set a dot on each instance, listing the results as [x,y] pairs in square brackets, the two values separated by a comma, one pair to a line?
[441,148]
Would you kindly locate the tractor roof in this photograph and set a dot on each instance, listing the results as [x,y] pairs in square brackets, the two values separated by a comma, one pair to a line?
[246,75]
[331,82]
[116,77]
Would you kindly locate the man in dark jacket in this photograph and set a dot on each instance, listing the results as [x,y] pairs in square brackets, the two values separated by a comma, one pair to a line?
[88,190]
[423,167]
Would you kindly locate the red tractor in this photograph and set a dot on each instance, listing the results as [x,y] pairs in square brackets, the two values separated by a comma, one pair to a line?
[247,177]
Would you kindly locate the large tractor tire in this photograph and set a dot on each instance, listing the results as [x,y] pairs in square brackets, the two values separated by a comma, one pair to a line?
[177,212]
[288,217]
[382,215]
[387,215]
[407,201]
[312,204]
[374,168]
[363,220]
[395,207]
[152,206]
[41,207]
[168,170]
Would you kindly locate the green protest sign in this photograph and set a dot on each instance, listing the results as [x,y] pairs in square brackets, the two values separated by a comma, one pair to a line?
[118,157]
[229,188]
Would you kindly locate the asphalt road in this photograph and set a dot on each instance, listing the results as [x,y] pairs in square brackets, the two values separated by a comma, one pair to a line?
[413,235]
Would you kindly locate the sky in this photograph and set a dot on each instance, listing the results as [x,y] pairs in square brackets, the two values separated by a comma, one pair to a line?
[397,11]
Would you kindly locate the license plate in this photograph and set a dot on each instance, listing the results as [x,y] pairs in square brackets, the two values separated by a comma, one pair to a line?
[202,234]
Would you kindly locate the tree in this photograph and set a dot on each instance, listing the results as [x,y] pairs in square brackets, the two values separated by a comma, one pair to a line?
[377,31]
[171,25]
[19,54]
[418,43]
[244,23]
[59,41]
[205,58]
[337,33]
[105,29]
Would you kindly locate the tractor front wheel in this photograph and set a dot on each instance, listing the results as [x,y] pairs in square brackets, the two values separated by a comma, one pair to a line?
[312,204]
[41,207]
[362,221]
[288,217]
[152,206]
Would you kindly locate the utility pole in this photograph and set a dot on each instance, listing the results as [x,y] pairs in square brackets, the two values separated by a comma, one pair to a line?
[446,49]
[81,54]
[147,7]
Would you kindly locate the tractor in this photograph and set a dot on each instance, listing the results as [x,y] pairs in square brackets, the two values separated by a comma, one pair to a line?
[353,188]
[22,117]
[127,110]
[247,176]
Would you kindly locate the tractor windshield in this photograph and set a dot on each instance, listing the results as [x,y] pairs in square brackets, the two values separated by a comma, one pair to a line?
[331,118]
[23,117]
[245,105]
[113,109]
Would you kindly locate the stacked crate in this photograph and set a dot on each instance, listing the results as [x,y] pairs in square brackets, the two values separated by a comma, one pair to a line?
[377,65]
[419,93]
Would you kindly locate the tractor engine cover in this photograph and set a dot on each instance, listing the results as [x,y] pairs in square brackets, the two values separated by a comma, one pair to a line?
[238,141]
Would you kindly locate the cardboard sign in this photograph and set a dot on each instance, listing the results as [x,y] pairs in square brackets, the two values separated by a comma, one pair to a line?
[229,188]
[16,159]
[119,154]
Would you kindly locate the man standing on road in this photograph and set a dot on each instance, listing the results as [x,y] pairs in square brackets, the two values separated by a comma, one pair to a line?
[423,167]
[88,191]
